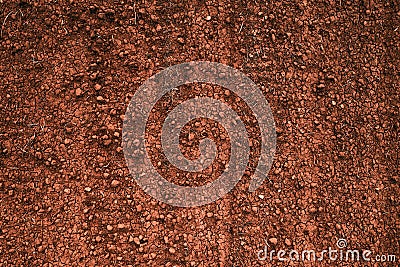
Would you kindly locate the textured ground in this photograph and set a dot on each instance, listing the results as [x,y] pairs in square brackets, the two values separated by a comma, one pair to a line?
[329,69]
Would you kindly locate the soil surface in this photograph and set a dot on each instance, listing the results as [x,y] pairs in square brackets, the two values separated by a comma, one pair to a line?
[68,69]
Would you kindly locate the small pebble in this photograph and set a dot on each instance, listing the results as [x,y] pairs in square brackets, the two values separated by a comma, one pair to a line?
[273,240]
[78,92]
[115,183]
